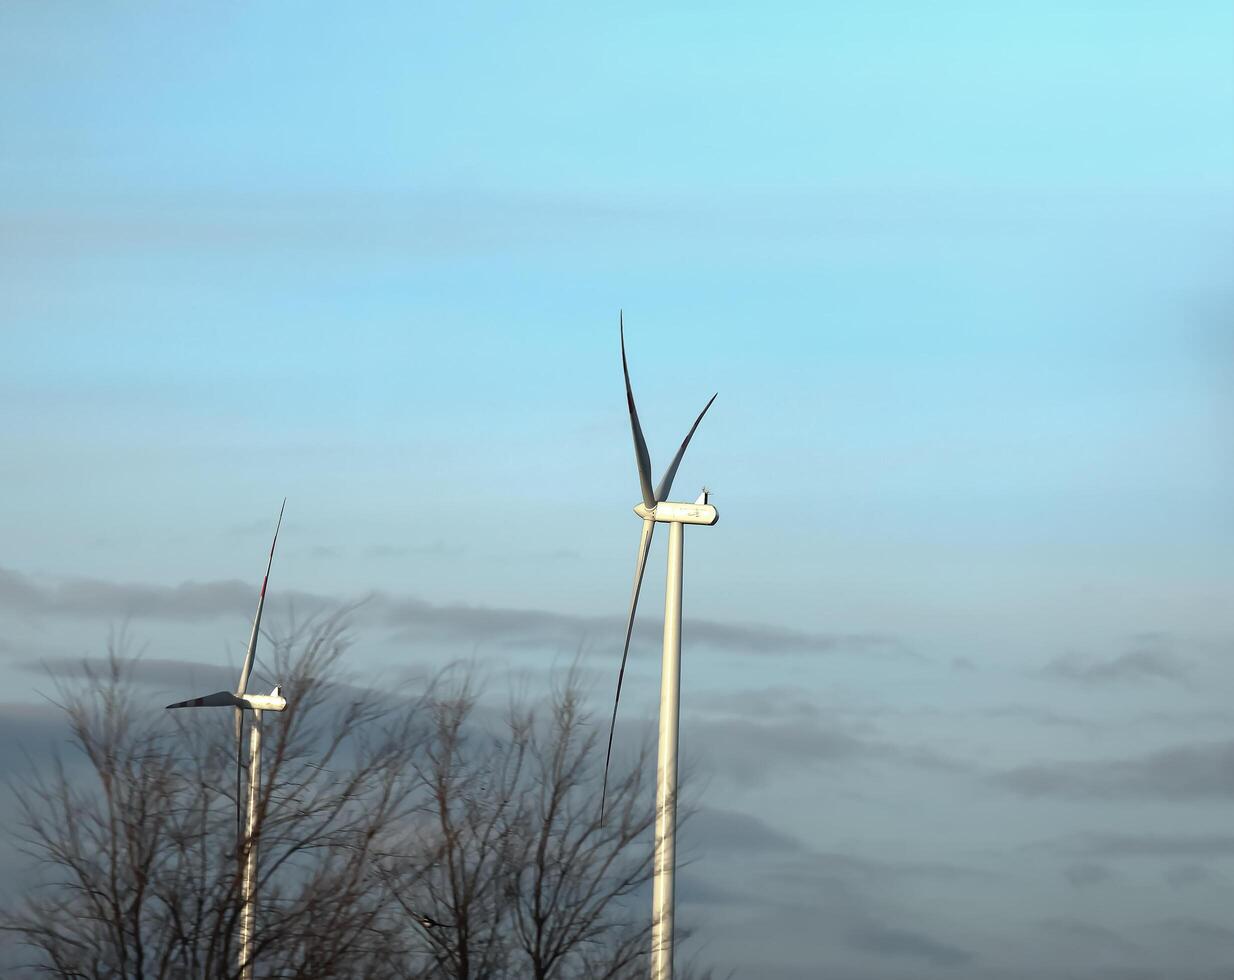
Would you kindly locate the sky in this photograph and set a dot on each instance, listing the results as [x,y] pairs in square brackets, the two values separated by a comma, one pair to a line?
[956,653]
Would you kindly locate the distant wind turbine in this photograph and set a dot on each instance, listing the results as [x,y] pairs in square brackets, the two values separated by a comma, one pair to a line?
[241,701]
[656,508]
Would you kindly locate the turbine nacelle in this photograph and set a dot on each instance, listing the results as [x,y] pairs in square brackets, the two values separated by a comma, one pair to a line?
[274,701]
[671,512]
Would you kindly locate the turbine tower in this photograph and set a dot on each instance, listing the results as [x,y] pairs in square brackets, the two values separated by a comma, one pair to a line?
[656,508]
[241,701]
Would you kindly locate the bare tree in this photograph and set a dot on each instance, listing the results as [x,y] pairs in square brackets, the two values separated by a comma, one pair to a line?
[402,837]
[517,876]
[576,871]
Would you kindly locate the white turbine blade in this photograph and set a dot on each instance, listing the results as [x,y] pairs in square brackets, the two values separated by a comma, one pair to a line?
[641,457]
[261,602]
[219,699]
[644,545]
[247,669]
[666,484]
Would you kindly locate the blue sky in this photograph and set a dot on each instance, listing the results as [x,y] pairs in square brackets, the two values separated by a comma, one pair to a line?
[960,274]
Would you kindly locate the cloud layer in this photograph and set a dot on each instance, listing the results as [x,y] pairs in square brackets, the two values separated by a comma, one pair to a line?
[407,617]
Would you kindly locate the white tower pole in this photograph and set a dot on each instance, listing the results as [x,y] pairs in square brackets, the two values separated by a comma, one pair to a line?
[665,861]
[248,873]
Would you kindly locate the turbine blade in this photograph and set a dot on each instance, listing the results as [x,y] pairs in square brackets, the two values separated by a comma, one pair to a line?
[245,671]
[219,699]
[261,601]
[641,456]
[644,545]
[666,484]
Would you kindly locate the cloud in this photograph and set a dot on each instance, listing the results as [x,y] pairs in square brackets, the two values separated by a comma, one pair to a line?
[766,702]
[750,750]
[1106,845]
[1041,716]
[751,734]
[775,886]
[1085,942]
[1150,660]
[29,733]
[1085,874]
[1186,875]
[153,672]
[1203,771]
[86,598]
[692,889]
[812,866]
[903,943]
[1189,931]
[409,617]
[731,832]
[419,620]
[17,592]
[438,548]
[247,529]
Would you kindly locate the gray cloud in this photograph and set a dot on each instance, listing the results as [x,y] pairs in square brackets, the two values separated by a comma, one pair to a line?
[1223,717]
[85,598]
[438,548]
[812,866]
[845,903]
[1040,716]
[1105,845]
[1200,771]
[766,702]
[1189,931]
[1149,660]
[728,831]
[1086,942]
[750,749]
[418,620]
[153,672]
[1186,875]
[1085,874]
[248,528]
[29,733]
[411,618]
[693,889]
[888,941]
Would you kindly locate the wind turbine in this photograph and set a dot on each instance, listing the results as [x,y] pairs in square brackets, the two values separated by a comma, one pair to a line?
[656,508]
[242,701]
